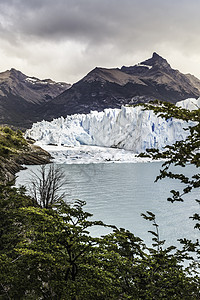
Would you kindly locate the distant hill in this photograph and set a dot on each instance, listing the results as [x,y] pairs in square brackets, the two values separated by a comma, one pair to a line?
[110,88]
[21,96]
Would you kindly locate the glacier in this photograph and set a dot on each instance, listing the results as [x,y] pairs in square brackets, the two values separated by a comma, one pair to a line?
[129,128]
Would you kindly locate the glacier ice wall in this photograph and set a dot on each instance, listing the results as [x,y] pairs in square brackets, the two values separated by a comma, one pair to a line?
[129,128]
[190,104]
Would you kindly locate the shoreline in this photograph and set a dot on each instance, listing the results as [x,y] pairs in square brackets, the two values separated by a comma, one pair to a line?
[35,155]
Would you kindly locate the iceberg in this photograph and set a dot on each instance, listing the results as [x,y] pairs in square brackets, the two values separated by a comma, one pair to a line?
[129,128]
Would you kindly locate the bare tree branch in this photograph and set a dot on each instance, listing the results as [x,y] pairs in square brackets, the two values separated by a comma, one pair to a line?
[46,187]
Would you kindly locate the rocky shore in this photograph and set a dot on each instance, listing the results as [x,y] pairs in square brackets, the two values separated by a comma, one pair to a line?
[32,155]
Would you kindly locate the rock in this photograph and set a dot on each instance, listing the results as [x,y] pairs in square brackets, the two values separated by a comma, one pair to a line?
[33,156]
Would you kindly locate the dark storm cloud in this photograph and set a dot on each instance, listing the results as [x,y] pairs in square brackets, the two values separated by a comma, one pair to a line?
[97,21]
[58,19]
[102,31]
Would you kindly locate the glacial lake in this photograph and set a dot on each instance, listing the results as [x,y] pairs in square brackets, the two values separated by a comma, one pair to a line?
[117,193]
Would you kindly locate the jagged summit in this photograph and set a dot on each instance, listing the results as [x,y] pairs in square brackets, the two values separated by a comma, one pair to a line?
[149,66]
[15,71]
[156,55]
[16,74]
[157,61]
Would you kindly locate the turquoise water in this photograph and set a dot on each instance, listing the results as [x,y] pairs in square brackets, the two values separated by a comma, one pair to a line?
[118,194]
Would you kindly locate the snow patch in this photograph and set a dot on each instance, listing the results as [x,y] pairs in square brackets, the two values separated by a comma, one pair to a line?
[31,80]
[37,81]
[142,65]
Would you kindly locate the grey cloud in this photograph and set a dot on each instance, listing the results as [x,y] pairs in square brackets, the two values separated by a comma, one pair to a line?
[61,19]
[97,21]
[110,32]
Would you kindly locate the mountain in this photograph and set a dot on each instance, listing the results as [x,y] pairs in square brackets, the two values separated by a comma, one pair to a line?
[110,88]
[21,96]
[129,128]
[24,99]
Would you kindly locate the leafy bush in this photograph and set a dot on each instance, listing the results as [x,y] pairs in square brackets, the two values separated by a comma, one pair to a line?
[10,141]
[7,130]
[50,254]
[4,151]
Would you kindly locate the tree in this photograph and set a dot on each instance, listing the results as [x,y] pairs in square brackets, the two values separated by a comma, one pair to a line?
[12,233]
[181,154]
[50,254]
[46,186]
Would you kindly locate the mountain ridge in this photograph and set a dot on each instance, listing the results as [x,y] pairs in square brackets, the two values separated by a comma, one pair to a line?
[21,95]
[25,99]
[14,81]
[110,88]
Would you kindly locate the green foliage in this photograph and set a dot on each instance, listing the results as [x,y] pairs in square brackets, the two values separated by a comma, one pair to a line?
[50,254]
[181,154]
[11,234]
[7,130]
[11,141]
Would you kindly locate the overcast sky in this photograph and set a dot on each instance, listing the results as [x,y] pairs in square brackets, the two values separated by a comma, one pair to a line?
[65,39]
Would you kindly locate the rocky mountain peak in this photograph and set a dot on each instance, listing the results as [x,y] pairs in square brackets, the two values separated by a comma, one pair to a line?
[21,95]
[157,61]
[15,74]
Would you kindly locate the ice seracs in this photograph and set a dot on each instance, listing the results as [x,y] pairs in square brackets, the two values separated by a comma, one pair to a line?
[129,128]
[190,104]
